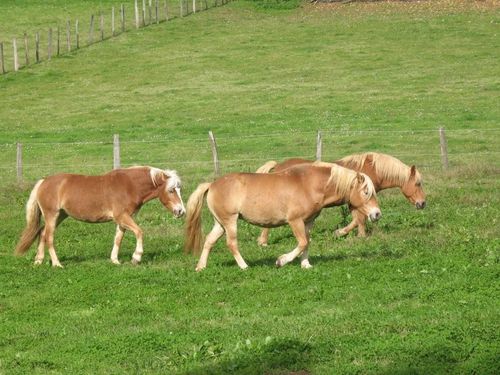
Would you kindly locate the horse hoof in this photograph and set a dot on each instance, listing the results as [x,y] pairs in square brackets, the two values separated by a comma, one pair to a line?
[280,262]
[38,262]
[115,261]
[305,265]
[57,265]
[263,244]
[135,262]
[199,269]
[339,233]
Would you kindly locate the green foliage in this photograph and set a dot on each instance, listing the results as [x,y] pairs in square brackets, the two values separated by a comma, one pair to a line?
[277,4]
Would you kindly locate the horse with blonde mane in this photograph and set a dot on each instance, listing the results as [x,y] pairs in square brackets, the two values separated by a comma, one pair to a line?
[384,170]
[116,196]
[295,197]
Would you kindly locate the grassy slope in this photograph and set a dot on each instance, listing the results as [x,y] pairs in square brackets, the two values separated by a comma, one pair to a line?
[419,296]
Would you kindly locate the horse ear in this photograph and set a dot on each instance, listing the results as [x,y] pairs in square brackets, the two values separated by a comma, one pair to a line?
[360,178]
[413,171]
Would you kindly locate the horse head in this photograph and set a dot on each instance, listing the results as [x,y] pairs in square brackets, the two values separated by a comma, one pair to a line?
[364,198]
[170,192]
[412,189]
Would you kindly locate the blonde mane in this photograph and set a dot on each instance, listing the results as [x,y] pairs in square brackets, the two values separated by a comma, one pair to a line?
[344,179]
[386,167]
[159,175]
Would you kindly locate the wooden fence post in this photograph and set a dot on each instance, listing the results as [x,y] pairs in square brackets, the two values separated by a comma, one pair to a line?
[58,41]
[116,151]
[101,26]
[319,145]
[68,35]
[19,162]
[16,57]
[444,148]
[37,47]
[49,44]
[113,21]
[150,12]
[2,61]
[194,6]
[143,12]
[26,51]
[166,11]
[77,35]
[157,15]
[91,30]
[182,12]
[122,17]
[214,153]
[136,10]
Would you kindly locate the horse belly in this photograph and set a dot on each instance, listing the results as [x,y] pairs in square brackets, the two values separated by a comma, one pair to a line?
[265,216]
[88,211]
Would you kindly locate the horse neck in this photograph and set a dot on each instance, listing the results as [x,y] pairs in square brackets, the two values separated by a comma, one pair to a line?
[143,184]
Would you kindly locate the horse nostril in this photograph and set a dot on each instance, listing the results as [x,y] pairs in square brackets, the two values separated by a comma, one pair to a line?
[420,205]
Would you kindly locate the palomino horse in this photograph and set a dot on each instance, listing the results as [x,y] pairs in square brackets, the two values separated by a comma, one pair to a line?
[384,170]
[116,196]
[295,196]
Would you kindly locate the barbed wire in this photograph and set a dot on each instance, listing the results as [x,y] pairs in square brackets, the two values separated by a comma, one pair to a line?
[222,138]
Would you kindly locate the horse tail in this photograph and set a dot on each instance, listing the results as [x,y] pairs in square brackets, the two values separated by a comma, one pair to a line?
[267,167]
[33,223]
[193,218]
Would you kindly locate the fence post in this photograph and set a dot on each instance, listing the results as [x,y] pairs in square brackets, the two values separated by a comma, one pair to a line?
[194,6]
[214,153]
[143,12]
[77,36]
[116,151]
[16,57]
[182,12]
[26,52]
[113,21]
[49,44]
[136,10]
[444,148]
[101,26]
[150,12]
[68,35]
[157,15]
[319,145]
[58,41]
[91,30]
[19,162]
[37,47]
[122,17]
[2,61]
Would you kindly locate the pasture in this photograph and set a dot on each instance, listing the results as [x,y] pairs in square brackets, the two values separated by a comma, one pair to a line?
[419,296]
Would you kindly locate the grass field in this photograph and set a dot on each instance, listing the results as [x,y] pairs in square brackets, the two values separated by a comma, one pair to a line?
[419,296]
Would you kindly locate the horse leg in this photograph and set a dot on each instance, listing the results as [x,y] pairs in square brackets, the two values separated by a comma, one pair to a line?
[353,224]
[360,220]
[116,246]
[40,254]
[232,242]
[299,231]
[264,236]
[125,221]
[51,221]
[216,232]
[304,258]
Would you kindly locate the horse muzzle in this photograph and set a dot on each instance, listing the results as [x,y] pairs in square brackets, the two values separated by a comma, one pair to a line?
[375,214]
[420,205]
[179,211]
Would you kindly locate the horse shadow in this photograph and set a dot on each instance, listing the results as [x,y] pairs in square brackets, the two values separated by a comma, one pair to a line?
[286,356]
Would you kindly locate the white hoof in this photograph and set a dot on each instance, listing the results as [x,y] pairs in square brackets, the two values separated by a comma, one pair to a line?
[115,261]
[305,265]
[38,262]
[57,265]
[340,233]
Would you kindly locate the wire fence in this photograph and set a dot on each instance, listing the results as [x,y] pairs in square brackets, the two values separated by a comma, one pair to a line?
[71,35]
[194,158]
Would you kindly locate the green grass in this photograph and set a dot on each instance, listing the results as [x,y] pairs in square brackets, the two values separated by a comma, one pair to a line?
[419,296]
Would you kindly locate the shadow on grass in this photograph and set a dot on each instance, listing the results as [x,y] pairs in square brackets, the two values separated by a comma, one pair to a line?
[277,357]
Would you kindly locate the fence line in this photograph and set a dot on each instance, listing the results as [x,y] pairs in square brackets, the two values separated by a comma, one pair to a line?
[16,65]
[442,154]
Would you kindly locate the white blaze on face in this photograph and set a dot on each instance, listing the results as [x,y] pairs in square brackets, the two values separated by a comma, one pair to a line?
[180,206]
